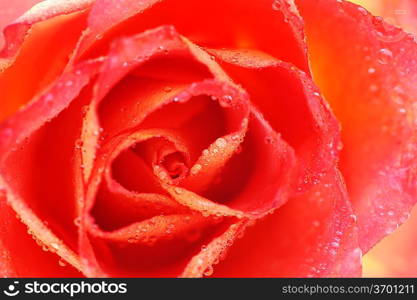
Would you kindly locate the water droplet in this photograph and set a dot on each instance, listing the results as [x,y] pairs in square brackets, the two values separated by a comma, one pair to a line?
[61,263]
[209,271]
[226,100]
[362,11]
[333,252]
[178,190]
[55,246]
[195,169]
[7,133]
[386,32]
[77,221]
[269,140]
[373,88]
[221,142]
[371,70]
[384,56]
[334,244]
[167,89]
[49,98]
[276,5]
[402,110]
[99,36]
[390,213]
[176,99]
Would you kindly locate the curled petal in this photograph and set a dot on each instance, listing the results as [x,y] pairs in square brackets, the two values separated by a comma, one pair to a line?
[202,263]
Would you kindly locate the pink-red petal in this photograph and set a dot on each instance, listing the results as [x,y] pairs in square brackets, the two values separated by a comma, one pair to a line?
[367,70]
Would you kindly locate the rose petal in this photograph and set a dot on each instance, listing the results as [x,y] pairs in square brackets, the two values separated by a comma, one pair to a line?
[263,165]
[238,23]
[367,70]
[202,263]
[313,235]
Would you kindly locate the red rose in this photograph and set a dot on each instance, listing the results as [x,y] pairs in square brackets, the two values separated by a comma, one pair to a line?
[188,138]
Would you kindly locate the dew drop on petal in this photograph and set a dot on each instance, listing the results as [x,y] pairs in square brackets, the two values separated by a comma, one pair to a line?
[55,246]
[362,11]
[77,221]
[316,223]
[49,98]
[384,56]
[402,110]
[226,100]
[373,88]
[335,244]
